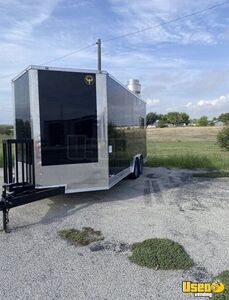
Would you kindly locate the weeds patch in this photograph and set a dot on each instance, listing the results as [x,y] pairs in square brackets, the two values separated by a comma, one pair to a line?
[161,254]
[83,237]
[188,161]
[221,174]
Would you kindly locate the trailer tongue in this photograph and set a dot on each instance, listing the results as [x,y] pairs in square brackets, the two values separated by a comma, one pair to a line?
[20,189]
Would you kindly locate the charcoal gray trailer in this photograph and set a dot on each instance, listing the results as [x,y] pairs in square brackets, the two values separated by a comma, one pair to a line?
[75,131]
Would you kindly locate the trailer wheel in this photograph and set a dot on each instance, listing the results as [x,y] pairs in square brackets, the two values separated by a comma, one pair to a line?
[141,165]
[135,174]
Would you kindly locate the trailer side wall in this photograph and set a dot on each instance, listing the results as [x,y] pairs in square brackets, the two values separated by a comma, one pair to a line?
[126,126]
[22,107]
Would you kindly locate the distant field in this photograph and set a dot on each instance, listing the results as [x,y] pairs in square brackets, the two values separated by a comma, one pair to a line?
[186,147]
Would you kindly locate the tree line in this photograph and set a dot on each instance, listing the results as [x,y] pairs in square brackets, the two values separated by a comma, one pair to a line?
[6,129]
[177,118]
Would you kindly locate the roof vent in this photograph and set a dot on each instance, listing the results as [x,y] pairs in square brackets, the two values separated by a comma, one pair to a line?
[134,86]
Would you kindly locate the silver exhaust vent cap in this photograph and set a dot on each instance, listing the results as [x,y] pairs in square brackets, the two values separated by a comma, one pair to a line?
[134,86]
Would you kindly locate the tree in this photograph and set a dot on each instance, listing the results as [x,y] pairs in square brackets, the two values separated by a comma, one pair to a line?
[224,118]
[6,129]
[173,117]
[203,121]
[211,123]
[177,117]
[152,118]
[223,138]
[185,118]
[161,123]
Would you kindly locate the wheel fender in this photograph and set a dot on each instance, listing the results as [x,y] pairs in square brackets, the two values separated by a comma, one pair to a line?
[138,156]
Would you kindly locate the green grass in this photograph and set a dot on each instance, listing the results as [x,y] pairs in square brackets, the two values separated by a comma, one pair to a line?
[161,254]
[224,278]
[219,174]
[187,154]
[81,237]
[190,148]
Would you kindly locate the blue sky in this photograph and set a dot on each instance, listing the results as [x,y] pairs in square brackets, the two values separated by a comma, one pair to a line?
[182,66]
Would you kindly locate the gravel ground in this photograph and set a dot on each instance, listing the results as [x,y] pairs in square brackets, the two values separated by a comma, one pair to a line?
[165,203]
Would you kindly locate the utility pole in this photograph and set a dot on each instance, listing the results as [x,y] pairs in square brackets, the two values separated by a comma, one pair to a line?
[99,55]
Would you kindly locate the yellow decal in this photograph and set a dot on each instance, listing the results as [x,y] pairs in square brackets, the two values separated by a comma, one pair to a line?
[89,79]
[202,289]
[217,287]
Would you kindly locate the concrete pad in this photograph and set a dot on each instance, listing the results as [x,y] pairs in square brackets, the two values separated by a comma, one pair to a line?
[165,203]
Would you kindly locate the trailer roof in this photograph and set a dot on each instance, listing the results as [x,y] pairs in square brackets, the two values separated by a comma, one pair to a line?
[35,67]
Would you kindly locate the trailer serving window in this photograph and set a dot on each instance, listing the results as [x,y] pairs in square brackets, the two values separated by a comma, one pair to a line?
[68,117]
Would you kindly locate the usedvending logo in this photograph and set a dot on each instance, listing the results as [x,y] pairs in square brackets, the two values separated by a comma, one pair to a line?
[89,79]
[202,289]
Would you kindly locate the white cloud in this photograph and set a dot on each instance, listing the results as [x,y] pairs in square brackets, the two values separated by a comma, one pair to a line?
[189,104]
[22,17]
[136,15]
[218,102]
[210,107]
[152,102]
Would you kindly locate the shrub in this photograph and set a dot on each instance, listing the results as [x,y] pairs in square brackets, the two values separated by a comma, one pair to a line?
[223,138]
[161,254]
[81,237]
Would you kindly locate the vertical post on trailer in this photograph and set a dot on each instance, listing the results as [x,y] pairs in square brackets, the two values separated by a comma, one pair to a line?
[99,55]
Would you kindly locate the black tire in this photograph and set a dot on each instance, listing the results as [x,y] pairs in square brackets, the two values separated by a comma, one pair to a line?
[135,174]
[140,166]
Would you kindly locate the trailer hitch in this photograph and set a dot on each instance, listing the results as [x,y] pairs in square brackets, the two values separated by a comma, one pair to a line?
[19,178]
[15,199]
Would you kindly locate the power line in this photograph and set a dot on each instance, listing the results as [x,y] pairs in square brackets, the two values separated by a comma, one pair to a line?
[131,33]
[5,110]
[68,54]
[8,75]
[198,12]
[54,59]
